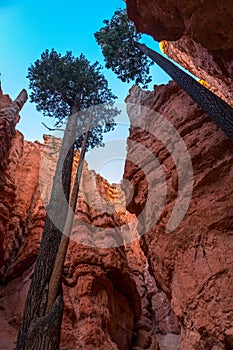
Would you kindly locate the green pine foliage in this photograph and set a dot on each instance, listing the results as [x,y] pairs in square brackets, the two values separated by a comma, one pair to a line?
[116,40]
[61,85]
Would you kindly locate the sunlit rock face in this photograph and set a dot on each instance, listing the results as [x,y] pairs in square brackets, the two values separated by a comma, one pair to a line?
[193,263]
[4,99]
[7,129]
[215,70]
[10,151]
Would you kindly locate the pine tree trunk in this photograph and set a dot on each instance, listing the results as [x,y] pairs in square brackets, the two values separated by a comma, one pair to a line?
[217,109]
[56,277]
[45,332]
[40,331]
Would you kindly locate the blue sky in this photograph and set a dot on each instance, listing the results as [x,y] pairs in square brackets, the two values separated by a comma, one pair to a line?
[29,27]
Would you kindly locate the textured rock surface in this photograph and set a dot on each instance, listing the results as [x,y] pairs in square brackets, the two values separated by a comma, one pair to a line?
[193,264]
[209,25]
[104,302]
[4,100]
[9,117]
[197,35]
[26,212]
[158,322]
[216,71]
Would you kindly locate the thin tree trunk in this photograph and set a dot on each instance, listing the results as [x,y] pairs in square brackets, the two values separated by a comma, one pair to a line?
[34,318]
[56,277]
[217,109]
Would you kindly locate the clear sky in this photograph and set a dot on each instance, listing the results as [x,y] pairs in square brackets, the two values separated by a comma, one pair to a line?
[29,27]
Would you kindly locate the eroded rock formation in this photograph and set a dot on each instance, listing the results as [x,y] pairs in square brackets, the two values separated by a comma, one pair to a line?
[193,264]
[9,116]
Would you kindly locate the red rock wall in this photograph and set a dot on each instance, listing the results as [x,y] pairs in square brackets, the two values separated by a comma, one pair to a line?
[4,100]
[8,119]
[209,25]
[21,227]
[198,36]
[193,264]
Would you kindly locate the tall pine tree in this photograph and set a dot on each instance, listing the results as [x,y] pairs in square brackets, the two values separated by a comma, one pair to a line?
[62,88]
[129,59]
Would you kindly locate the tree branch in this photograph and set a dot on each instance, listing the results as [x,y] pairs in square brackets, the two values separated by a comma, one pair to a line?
[50,129]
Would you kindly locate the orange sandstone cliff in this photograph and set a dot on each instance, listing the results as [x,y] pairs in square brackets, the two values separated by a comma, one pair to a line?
[193,263]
